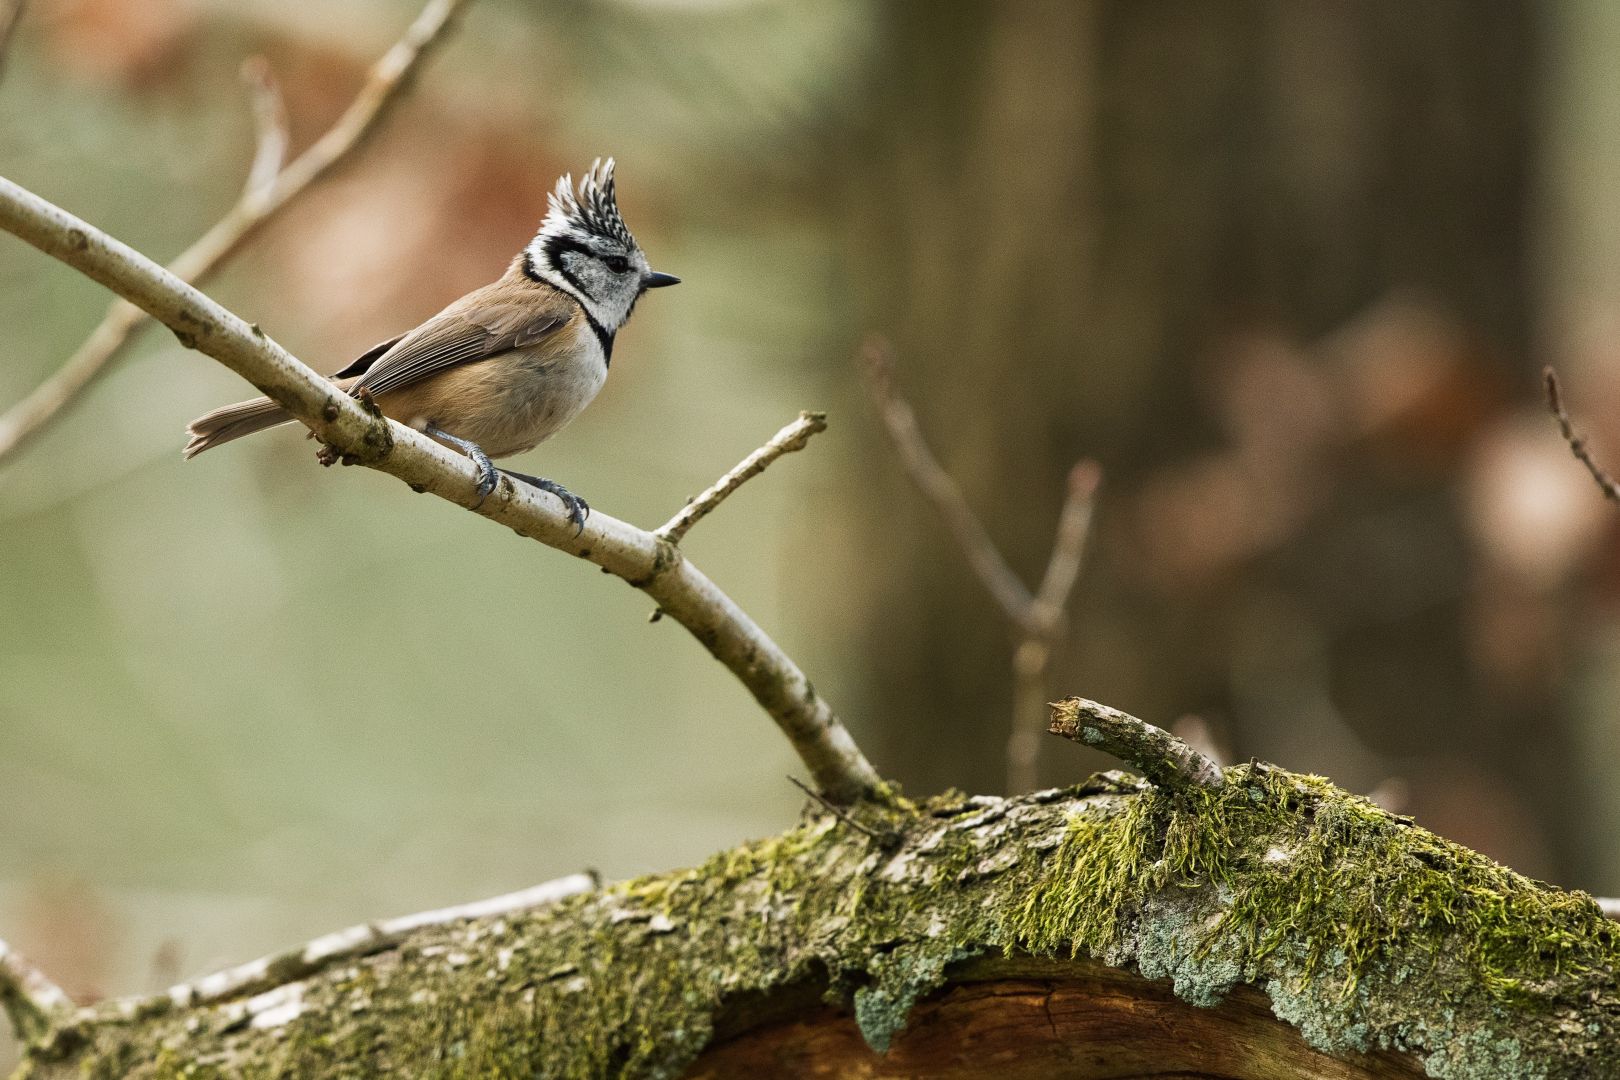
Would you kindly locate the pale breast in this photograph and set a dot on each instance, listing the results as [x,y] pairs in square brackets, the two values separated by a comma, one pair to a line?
[508,403]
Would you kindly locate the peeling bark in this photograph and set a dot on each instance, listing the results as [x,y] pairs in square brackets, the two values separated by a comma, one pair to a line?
[1273,927]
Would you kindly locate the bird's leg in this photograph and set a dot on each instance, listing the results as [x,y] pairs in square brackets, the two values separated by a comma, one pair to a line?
[486,468]
[578,508]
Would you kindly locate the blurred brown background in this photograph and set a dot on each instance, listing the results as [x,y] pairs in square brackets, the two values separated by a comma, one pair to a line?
[1289,270]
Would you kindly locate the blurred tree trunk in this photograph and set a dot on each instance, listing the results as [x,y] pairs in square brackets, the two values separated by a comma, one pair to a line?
[1136,185]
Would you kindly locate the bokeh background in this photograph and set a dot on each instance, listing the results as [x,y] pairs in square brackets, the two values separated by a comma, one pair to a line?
[1288,269]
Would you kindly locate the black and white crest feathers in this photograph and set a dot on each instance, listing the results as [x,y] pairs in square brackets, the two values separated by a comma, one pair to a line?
[594,209]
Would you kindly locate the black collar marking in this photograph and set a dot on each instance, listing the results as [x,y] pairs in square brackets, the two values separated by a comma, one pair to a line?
[554,249]
[603,335]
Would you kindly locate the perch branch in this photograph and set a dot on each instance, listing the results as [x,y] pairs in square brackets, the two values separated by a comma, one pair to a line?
[30,1000]
[791,438]
[365,939]
[1159,755]
[1038,618]
[264,195]
[655,566]
[1577,444]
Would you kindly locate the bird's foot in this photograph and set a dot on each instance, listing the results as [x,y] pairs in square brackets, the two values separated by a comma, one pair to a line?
[578,508]
[488,475]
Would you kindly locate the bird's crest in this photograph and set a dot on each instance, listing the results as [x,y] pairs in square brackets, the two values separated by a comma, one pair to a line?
[593,210]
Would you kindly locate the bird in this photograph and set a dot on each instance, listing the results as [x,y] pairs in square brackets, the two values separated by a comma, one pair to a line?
[510,364]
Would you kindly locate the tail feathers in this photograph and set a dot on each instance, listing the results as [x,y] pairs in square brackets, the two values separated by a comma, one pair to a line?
[232,422]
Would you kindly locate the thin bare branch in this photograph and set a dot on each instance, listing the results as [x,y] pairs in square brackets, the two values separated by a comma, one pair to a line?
[836,764]
[1031,658]
[936,484]
[278,969]
[11,14]
[1037,617]
[1159,755]
[791,438]
[30,1000]
[271,137]
[1577,444]
[259,202]
[1069,546]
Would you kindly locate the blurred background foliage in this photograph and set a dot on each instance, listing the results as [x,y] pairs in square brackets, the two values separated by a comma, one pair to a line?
[1287,268]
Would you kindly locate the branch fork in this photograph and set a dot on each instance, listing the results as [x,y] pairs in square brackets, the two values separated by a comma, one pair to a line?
[1039,617]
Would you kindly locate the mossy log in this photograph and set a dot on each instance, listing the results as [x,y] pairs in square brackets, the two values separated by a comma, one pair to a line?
[1274,927]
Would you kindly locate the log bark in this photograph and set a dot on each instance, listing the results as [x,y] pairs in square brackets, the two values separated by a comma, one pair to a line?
[1275,926]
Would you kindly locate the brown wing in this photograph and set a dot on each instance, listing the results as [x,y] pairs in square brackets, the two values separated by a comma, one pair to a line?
[362,363]
[480,325]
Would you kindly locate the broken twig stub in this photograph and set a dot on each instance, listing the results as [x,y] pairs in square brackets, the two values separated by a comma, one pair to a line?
[1167,761]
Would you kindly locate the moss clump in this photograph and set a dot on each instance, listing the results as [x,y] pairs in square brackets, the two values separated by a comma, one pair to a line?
[1365,930]
[1342,884]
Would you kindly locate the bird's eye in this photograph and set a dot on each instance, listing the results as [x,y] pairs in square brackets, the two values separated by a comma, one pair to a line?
[617,263]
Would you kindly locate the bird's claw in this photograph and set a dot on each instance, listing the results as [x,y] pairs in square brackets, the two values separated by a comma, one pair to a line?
[487,479]
[578,509]
[487,473]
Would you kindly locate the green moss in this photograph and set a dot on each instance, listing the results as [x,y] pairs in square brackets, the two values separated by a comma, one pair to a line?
[1365,930]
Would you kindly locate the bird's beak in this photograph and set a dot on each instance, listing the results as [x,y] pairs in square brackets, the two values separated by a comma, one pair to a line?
[652,279]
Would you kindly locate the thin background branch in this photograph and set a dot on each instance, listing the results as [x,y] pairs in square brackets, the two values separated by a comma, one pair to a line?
[1577,444]
[1038,618]
[265,194]
[11,16]
[936,484]
[1610,906]
[271,137]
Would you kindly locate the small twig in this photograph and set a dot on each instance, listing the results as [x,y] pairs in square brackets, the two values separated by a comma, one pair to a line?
[1159,755]
[31,1001]
[259,202]
[269,124]
[11,13]
[936,484]
[791,438]
[1577,444]
[883,839]
[281,968]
